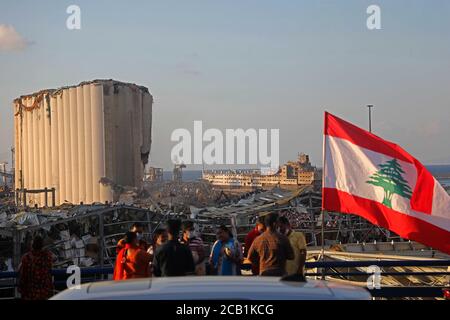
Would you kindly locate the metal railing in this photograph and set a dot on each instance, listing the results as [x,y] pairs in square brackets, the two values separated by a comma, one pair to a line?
[8,280]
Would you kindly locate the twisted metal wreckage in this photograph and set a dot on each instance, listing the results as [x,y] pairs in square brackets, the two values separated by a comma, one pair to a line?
[86,235]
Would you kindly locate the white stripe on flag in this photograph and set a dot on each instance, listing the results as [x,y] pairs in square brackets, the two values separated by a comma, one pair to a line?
[348,167]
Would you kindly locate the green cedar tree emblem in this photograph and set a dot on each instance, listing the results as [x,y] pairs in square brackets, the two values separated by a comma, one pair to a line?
[390,178]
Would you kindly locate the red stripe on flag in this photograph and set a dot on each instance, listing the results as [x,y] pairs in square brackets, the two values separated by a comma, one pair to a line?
[422,198]
[405,226]
[339,128]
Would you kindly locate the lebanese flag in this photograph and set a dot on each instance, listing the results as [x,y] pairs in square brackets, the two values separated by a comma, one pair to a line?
[379,181]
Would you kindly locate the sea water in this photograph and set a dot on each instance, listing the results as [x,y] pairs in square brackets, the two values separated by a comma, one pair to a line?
[436,170]
[441,170]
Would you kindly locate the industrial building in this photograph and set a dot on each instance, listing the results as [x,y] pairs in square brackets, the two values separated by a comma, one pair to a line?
[292,174]
[154,175]
[81,142]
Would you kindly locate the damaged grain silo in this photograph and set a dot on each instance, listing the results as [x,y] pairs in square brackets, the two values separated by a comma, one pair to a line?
[74,139]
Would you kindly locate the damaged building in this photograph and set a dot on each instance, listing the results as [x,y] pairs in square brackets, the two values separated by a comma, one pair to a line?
[81,142]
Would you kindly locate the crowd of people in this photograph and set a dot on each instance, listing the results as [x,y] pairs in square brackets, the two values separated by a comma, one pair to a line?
[272,248]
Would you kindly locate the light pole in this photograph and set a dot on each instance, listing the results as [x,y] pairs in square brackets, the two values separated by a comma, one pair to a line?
[12,157]
[370,106]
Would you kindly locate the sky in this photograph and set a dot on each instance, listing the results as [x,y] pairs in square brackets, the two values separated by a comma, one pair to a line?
[245,64]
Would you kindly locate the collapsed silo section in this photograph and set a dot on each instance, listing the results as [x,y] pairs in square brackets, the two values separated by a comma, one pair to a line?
[128,120]
[82,141]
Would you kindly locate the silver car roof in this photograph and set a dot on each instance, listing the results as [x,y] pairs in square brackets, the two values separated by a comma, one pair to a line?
[214,288]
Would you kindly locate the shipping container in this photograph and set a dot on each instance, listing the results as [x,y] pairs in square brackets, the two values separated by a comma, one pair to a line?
[85,141]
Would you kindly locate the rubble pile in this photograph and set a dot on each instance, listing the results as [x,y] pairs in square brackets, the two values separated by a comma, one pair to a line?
[71,242]
[241,215]
[87,235]
[34,217]
[184,194]
[84,235]
[6,197]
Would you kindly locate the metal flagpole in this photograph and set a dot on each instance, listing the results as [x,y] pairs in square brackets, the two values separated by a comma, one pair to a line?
[322,253]
[370,106]
[323,186]
[323,235]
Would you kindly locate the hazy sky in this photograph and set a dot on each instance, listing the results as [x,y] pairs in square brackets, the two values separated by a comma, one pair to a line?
[245,64]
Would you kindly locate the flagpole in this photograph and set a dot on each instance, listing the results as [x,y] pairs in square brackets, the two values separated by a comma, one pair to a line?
[323,235]
[370,106]
[323,186]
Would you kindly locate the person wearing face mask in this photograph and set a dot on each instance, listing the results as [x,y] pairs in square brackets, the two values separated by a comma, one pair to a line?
[159,238]
[139,230]
[298,244]
[173,259]
[195,243]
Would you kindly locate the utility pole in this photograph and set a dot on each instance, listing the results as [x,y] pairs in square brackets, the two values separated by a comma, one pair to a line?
[12,158]
[13,170]
[370,106]
[3,173]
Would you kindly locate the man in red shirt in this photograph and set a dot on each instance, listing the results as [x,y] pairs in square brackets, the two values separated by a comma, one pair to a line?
[251,236]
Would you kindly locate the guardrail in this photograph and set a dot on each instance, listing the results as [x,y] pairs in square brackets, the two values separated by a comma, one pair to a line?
[379,263]
[326,268]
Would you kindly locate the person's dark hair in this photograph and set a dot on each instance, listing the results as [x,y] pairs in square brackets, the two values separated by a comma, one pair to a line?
[174,226]
[157,233]
[225,229]
[270,220]
[37,243]
[130,237]
[284,221]
[136,225]
[260,220]
[188,225]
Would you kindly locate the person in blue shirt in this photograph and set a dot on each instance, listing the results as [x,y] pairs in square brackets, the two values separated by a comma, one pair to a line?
[226,254]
